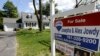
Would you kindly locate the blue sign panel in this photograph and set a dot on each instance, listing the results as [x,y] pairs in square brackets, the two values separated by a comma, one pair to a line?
[86,42]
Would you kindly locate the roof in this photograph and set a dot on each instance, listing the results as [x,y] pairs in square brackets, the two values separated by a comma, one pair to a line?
[24,17]
[32,17]
[9,20]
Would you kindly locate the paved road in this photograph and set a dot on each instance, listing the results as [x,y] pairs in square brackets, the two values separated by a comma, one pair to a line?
[7,44]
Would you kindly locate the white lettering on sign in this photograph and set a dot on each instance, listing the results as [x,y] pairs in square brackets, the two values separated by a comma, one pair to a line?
[80,20]
[91,41]
[77,21]
[70,21]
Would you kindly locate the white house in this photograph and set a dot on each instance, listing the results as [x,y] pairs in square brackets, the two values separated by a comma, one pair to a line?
[27,20]
[30,21]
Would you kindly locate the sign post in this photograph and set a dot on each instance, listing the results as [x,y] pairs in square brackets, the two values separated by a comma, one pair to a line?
[52,12]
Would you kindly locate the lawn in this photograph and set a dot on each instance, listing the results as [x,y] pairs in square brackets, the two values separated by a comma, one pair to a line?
[33,43]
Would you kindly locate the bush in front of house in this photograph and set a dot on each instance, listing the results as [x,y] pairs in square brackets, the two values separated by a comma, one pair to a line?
[30,29]
[16,29]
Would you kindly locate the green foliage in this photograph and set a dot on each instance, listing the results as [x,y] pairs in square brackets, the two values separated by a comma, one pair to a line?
[46,9]
[98,53]
[1,23]
[16,29]
[1,20]
[30,29]
[1,13]
[10,10]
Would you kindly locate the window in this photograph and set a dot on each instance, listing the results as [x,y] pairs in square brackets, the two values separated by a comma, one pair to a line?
[30,24]
[26,24]
[33,24]
[29,16]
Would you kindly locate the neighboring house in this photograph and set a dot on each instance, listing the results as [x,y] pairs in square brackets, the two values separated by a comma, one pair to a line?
[9,24]
[27,20]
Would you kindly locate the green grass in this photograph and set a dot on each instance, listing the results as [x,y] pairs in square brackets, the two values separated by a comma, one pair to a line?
[33,43]
[98,53]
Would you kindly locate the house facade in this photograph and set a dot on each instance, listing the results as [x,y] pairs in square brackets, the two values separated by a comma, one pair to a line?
[30,21]
[27,20]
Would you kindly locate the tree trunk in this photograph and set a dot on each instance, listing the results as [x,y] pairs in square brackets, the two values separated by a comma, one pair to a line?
[40,7]
[39,18]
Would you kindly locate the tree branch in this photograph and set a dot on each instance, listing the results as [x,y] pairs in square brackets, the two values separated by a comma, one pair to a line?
[94,1]
[35,9]
[77,3]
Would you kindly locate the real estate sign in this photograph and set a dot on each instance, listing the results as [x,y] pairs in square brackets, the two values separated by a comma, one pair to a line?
[82,31]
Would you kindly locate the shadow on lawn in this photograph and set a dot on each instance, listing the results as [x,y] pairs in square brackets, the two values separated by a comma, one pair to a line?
[44,42]
[24,33]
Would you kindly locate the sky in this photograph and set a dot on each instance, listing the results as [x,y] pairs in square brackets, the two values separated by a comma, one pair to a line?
[27,6]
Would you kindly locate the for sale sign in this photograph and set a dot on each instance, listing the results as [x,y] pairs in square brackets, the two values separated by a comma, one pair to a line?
[83,31]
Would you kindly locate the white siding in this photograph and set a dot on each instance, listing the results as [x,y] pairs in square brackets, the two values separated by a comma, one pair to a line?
[9,27]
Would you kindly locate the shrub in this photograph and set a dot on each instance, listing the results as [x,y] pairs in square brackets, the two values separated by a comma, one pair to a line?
[30,29]
[16,29]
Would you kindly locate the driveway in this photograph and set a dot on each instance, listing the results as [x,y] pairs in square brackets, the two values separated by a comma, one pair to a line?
[7,43]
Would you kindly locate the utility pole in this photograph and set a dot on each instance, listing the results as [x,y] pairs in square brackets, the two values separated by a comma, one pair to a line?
[52,13]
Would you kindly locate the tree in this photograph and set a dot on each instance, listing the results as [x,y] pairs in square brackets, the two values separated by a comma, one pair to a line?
[1,23]
[43,10]
[39,17]
[1,14]
[1,20]
[40,8]
[46,9]
[83,2]
[10,10]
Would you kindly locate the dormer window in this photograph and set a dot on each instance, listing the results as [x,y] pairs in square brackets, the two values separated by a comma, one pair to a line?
[29,16]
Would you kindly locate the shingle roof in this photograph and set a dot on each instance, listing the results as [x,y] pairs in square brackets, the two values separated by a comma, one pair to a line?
[9,20]
[24,17]
[34,18]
